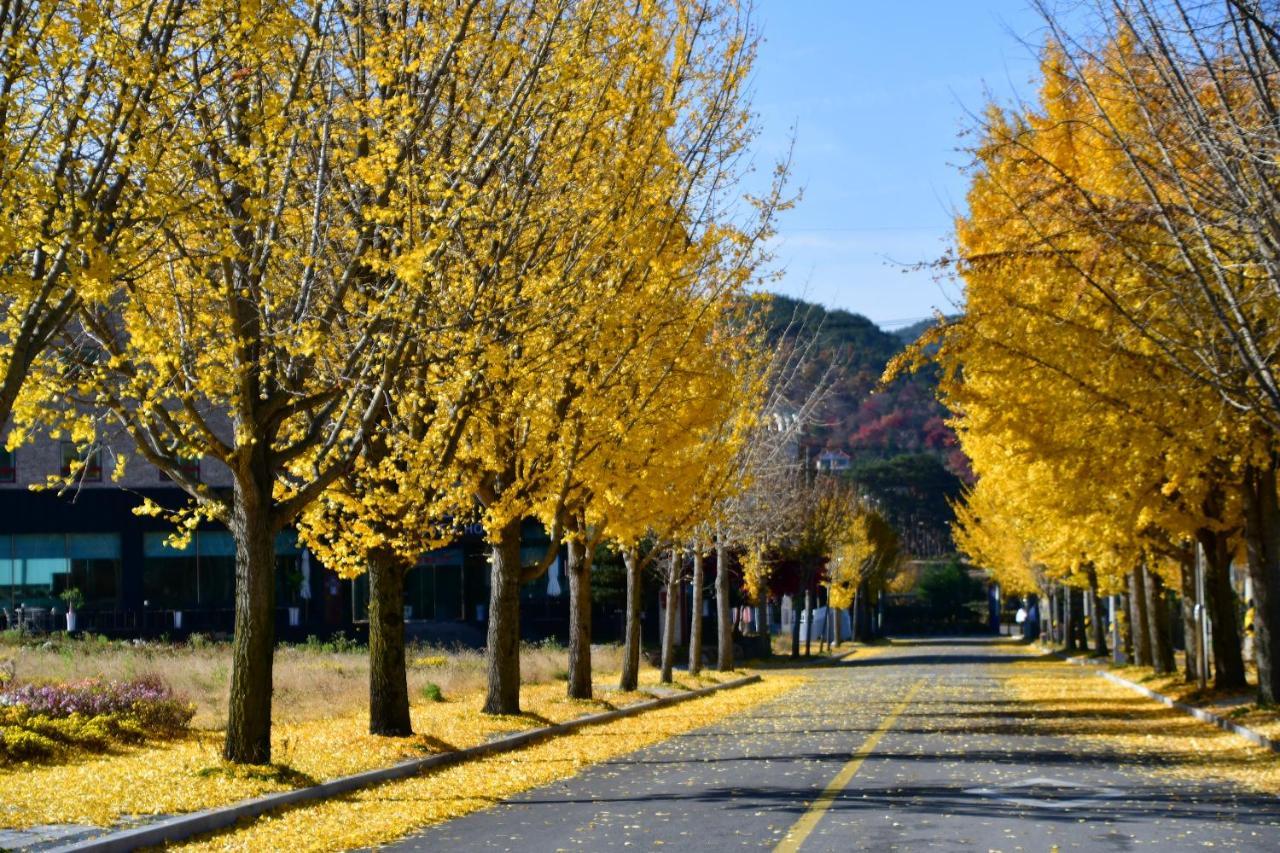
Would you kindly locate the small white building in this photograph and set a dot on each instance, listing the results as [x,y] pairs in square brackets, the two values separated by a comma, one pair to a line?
[833,460]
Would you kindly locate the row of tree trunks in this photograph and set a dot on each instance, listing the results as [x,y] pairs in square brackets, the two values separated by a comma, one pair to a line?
[1160,629]
[724,619]
[795,631]
[1262,545]
[1228,660]
[1159,621]
[1073,604]
[1126,628]
[631,646]
[863,629]
[1190,628]
[248,737]
[503,659]
[675,572]
[578,569]
[695,616]
[1138,616]
[388,682]
[1095,604]
[808,620]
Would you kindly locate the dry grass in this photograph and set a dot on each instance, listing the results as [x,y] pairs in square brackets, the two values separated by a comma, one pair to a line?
[311,682]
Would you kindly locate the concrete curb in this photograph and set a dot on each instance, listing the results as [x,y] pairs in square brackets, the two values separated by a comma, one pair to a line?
[1256,738]
[210,820]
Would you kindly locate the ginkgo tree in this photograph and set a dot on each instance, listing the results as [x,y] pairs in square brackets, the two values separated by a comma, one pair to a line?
[1054,385]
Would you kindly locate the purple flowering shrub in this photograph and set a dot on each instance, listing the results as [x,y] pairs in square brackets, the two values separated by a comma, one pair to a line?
[44,720]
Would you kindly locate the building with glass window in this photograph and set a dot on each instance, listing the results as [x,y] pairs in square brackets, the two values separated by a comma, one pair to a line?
[135,583]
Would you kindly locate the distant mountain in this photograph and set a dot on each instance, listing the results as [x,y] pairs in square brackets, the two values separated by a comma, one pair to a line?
[861,419]
[910,334]
[902,450]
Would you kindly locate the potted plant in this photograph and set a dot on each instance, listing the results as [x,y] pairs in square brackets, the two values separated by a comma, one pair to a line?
[73,598]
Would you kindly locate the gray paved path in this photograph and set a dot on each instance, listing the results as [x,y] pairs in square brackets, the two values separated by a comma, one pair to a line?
[950,769]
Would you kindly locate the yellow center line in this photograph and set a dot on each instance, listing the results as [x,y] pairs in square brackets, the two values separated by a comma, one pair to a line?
[798,833]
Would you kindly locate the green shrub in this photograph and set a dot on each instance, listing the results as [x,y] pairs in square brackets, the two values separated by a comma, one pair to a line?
[431,692]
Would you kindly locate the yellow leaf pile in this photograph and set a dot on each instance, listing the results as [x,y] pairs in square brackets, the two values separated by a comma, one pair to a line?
[1079,703]
[188,774]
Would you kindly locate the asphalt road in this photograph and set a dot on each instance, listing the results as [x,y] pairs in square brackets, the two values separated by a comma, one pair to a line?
[916,748]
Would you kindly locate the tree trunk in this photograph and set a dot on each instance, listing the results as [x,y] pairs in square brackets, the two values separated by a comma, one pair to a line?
[1068,636]
[1099,633]
[388,683]
[1262,543]
[795,627]
[1126,631]
[1138,618]
[724,621]
[578,568]
[1078,617]
[862,614]
[631,646]
[502,651]
[1190,631]
[1074,603]
[1158,618]
[672,614]
[1125,626]
[808,619]
[1228,662]
[695,615]
[248,738]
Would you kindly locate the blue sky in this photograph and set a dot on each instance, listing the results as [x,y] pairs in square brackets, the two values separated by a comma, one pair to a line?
[878,93]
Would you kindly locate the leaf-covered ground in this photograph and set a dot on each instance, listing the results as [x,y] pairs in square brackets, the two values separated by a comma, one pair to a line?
[187,774]
[387,812]
[1082,705]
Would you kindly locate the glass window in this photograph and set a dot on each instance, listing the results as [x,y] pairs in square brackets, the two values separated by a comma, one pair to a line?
[95,567]
[170,578]
[420,592]
[215,543]
[7,591]
[8,469]
[40,568]
[74,458]
[217,557]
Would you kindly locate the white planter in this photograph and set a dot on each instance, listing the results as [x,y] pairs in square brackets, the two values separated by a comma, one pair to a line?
[71,621]
[295,617]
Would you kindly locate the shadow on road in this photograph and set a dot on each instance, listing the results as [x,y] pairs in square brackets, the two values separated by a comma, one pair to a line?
[1111,806]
